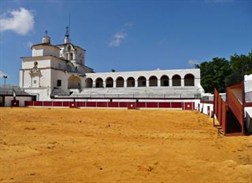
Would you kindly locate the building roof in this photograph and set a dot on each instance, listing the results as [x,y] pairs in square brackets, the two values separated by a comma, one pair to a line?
[45,44]
[9,91]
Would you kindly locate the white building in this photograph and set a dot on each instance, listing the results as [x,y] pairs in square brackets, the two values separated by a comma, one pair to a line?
[59,71]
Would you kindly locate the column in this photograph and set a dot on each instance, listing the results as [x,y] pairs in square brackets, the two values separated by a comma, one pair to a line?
[158,82]
[147,83]
[182,82]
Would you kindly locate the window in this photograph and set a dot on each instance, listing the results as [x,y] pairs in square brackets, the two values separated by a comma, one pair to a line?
[164,80]
[34,81]
[58,82]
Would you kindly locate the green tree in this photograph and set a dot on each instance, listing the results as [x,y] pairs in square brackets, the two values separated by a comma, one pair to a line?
[240,65]
[213,74]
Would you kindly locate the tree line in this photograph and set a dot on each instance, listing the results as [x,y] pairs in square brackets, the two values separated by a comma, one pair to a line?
[220,73]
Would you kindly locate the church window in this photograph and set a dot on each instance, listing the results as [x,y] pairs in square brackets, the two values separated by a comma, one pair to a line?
[58,83]
[71,56]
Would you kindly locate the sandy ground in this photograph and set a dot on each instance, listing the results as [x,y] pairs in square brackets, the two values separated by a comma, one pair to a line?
[98,145]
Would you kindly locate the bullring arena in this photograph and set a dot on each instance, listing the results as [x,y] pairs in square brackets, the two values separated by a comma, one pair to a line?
[104,145]
[65,123]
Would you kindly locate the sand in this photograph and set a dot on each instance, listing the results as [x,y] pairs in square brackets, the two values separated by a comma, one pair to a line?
[135,146]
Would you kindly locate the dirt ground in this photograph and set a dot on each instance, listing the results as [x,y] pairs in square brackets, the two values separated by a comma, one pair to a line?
[135,146]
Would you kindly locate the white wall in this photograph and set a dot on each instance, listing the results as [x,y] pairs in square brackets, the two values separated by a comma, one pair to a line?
[37,52]
[21,99]
[204,108]
[45,50]
[42,81]
[248,88]
[42,63]
[60,75]
[42,94]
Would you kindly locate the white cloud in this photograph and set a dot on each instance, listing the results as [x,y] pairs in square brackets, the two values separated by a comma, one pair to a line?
[117,39]
[2,74]
[192,62]
[20,21]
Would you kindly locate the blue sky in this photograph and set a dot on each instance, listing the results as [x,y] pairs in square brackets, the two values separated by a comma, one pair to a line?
[127,35]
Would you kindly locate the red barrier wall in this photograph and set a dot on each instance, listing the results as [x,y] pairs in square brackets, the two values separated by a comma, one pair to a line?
[130,105]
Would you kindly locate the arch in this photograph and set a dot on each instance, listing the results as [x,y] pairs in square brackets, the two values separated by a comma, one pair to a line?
[89,83]
[109,82]
[120,82]
[71,56]
[99,83]
[74,82]
[153,81]
[176,80]
[189,80]
[69,48]
[164,80]
[130,82]
[141,81]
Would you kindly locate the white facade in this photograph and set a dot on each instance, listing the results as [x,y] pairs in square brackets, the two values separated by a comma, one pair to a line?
[59,70]
[248,99]
[152,78]
[53,67]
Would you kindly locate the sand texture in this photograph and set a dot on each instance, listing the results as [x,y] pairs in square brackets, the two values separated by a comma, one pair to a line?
[107,146]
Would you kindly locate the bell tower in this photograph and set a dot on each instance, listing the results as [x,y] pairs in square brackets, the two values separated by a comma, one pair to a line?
[46,39]
[67,36]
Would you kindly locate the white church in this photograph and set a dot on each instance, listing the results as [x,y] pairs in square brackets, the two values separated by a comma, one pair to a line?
[58,72]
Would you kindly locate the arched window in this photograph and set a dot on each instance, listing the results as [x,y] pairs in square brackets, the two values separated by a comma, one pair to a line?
[99,83]
[164,80]
[120,82]
[153,81]
[189,80]
[130,82]
[176,80]
[89,83]
[109,82]
[141,81]
[74,82]
[71,56]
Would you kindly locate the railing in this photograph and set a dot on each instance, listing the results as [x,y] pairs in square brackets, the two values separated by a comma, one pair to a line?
[134,96]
